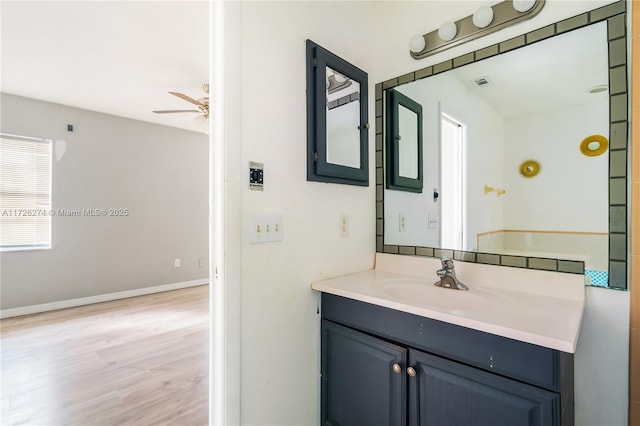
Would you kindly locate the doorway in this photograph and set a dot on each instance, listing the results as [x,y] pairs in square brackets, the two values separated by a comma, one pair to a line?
[452,159]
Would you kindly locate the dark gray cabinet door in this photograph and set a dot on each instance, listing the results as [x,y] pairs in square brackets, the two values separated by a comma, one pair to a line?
[359,384]
[446,393]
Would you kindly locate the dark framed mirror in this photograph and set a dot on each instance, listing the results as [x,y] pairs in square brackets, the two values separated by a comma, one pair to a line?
[601,35]
[404,143]
[337,121]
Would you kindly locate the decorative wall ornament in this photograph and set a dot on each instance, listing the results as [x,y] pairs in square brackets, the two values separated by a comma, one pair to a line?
[486,20]
[594,145]
[530,168]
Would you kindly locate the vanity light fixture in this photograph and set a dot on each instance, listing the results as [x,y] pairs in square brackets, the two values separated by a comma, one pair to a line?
[485,20]
[447,31]
[335,85]
[483,17]
[523,5]
[417,43]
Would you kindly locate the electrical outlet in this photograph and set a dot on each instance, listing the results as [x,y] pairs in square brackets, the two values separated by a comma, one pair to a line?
[176,263]
[201,262]
[402,223]
[267,228]
[344,225]
[432,221]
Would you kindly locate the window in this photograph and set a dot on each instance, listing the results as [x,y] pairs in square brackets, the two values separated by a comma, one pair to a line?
[25,193]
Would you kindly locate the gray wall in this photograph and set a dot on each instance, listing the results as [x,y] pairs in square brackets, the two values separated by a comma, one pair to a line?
[159,173]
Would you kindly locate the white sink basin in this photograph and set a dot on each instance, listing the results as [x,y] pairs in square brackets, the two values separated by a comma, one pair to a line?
[420,292]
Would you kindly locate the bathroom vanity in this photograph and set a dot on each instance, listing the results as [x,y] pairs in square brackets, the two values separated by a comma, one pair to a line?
[397,350]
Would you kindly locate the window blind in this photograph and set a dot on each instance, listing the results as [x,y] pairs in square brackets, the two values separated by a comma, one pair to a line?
[25,192]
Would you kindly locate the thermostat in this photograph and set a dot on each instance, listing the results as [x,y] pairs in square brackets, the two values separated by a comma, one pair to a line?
[256,176]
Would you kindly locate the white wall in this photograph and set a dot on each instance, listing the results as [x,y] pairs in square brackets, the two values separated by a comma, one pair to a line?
[279,331]
[280,323]
[158,173]
[554,140]
[602,359]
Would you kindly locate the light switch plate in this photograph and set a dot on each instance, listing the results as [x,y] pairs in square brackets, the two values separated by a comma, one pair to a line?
[267,228]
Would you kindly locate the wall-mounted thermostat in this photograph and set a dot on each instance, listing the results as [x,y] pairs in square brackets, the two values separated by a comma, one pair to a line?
[256,176]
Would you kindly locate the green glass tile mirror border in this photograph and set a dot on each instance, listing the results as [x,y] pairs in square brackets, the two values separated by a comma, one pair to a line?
[616,276]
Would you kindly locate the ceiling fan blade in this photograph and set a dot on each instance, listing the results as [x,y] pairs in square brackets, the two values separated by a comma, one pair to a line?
[175,110]
[188,99]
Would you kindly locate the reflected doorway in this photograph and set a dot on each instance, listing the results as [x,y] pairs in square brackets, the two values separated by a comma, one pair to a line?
[452,201]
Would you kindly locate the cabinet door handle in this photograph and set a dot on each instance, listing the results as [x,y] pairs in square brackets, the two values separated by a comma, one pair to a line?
[411,372]
[396,368]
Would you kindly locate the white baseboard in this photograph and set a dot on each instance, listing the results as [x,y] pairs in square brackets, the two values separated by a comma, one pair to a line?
[34,309]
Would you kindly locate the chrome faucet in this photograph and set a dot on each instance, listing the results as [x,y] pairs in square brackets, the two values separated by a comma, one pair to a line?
[448,277]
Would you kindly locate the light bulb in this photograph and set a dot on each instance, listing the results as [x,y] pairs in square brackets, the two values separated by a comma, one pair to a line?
[447,31]
[523,5]
[483,17]
[417,43]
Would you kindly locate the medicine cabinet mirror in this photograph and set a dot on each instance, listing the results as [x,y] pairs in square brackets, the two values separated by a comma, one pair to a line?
[337,122]
[404,143]
[535,97]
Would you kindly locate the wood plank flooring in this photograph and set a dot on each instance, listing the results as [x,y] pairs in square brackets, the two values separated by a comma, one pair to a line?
[140,361]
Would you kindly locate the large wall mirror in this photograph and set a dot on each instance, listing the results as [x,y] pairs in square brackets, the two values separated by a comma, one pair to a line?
[503,131]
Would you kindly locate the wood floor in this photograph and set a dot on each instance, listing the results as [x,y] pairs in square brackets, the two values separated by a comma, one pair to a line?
[140,361]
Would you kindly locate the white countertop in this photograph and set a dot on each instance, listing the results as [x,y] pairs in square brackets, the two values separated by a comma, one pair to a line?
[539,307]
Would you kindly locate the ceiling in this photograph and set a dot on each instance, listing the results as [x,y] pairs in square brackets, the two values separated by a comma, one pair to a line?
[531,80]
[119,58]
[123,57]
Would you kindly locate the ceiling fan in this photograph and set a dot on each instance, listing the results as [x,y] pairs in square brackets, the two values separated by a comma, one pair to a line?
[201,103]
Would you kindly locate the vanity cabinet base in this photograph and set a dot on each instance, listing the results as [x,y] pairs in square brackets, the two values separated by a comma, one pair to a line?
[354,364]
[449,375]
[444,392]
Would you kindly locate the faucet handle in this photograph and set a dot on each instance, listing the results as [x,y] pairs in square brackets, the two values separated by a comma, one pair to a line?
[446,263]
